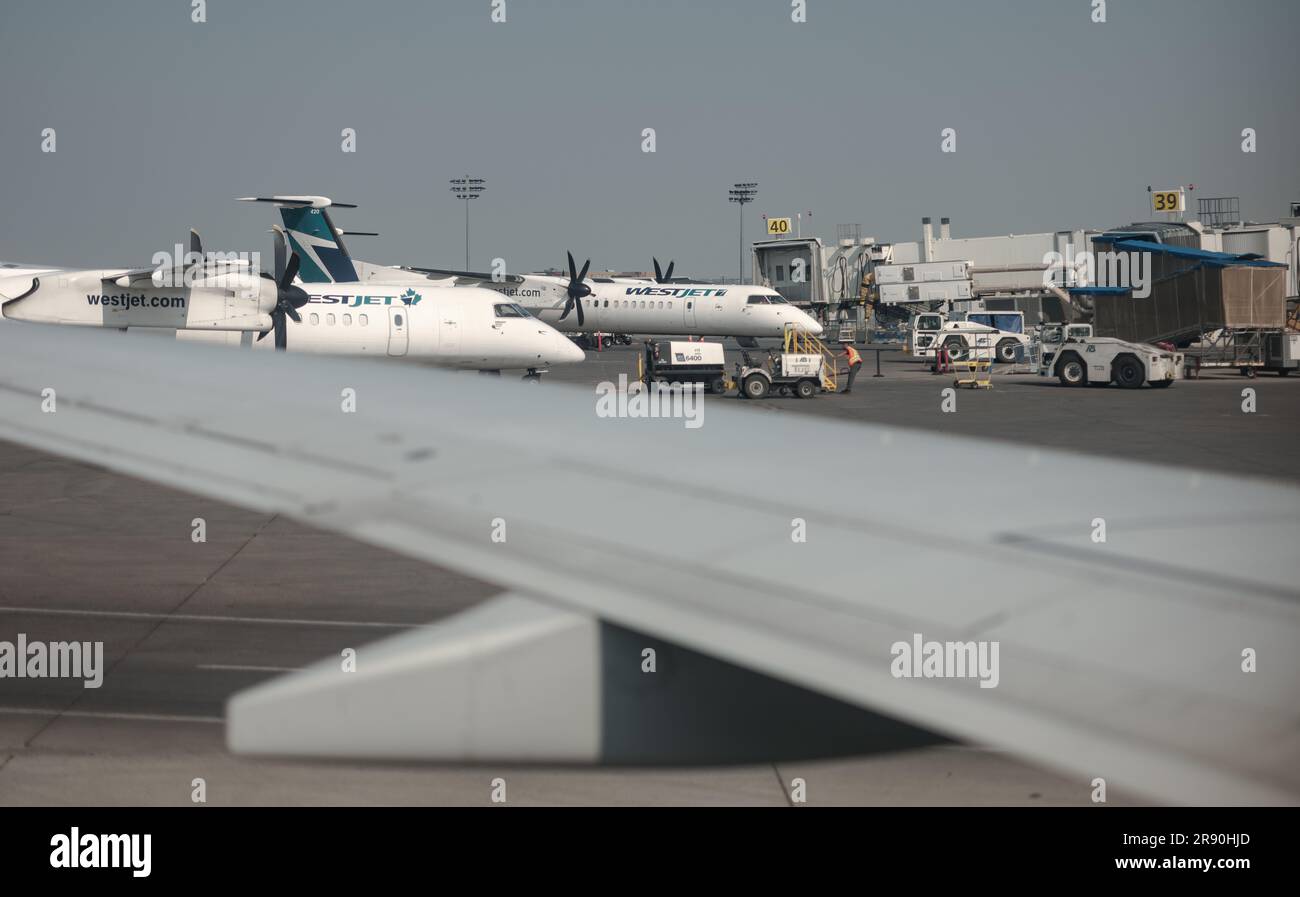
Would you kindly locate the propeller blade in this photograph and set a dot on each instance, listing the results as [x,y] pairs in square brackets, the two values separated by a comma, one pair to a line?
[281,251]
[583,276]
[573,269]
[192,264]
[668,275]
[290,272]
[659,274]
[568,307]
[281,333]
[577,303]
[261,336]
[293,313]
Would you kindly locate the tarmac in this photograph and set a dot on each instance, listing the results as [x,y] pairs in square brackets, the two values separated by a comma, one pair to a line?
[90,555]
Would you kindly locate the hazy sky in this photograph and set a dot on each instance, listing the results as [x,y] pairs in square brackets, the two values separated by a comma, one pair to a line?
[1060,122]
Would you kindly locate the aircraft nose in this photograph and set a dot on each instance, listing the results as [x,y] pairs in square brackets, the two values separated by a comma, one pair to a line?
[571,352]
[562,350]
[811,325]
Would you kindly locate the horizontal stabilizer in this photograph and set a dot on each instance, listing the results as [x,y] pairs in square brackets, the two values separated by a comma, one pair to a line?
[299,202]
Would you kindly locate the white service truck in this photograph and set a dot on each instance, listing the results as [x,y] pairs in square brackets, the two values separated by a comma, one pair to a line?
[1075,357]
[994,335]
[785,373]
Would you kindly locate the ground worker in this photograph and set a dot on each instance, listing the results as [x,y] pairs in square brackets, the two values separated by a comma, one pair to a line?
[651,356]
[855,362]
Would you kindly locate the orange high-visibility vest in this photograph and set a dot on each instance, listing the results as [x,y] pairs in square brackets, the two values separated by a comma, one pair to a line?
[854,357]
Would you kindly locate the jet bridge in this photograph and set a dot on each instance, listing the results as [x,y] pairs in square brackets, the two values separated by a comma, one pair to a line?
[825,280]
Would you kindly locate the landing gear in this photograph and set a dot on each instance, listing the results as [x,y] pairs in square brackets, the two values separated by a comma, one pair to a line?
[533,376]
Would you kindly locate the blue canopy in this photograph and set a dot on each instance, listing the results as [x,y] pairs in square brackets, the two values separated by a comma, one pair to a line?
[1203,256]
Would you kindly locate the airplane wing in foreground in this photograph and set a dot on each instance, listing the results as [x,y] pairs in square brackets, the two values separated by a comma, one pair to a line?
[773,566]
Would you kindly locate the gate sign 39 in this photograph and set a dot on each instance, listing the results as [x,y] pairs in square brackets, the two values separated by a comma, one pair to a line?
[1167,201]
[778,226]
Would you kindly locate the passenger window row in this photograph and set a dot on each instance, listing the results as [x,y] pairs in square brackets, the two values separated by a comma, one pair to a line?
[362,320]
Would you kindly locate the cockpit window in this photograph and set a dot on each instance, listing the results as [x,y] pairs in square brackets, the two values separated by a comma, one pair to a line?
[777,300]
[510,310]
[757,300]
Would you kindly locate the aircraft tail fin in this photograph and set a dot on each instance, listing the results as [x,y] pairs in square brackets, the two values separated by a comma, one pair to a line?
[323,256]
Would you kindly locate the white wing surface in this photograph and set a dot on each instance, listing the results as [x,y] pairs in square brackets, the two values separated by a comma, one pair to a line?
[1120,659]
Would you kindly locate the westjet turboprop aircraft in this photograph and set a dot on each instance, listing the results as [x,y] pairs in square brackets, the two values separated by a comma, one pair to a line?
[625,305]
[576,304]
[454,327]
[221,301]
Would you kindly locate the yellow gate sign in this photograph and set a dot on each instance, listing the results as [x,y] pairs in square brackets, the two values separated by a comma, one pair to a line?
[1167,201]
[778,227]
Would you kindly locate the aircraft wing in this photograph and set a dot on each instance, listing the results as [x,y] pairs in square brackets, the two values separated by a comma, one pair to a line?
[467,278]
[797,552]
[134,277]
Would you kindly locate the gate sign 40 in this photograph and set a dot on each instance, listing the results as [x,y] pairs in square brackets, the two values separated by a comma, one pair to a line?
[778,226]
[1167,201]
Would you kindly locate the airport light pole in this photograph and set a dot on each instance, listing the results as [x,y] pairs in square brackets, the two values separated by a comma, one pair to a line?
[467,188]
[741,194]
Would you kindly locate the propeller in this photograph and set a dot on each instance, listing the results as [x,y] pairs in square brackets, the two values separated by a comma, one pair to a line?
[576,290]
[662,276]
[288,298]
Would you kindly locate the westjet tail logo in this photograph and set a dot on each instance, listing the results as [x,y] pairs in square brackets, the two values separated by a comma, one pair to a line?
[410,297]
